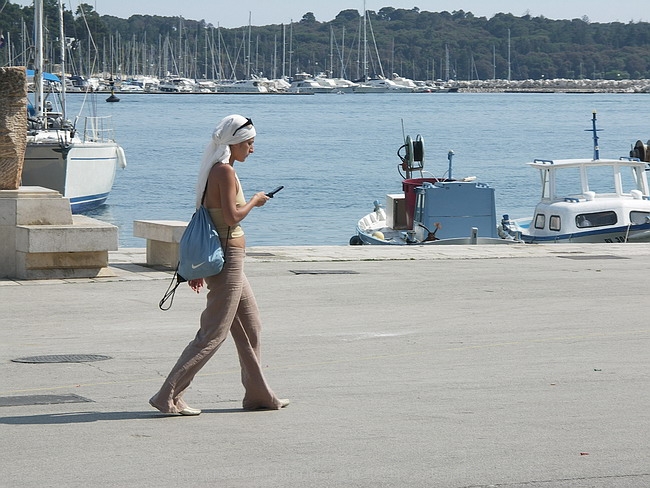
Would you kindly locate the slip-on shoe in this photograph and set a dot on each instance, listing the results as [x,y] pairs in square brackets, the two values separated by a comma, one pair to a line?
[189,411]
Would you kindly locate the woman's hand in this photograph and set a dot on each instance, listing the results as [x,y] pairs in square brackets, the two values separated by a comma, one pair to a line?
[259,199]
[196,284]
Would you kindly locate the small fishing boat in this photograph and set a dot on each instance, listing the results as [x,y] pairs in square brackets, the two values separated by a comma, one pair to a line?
[79,163]
[590,200]
[430,210]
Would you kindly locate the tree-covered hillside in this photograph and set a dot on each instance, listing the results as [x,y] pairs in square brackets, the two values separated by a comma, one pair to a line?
[416,44]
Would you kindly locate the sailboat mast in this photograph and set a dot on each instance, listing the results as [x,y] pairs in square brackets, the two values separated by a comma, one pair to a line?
[342,75]
[365,45]
[38,58]
[248,67]
[62,39]
[284,49]
[331,52]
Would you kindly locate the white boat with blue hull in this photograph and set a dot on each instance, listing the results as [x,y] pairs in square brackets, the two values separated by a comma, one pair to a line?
[83,172]
[432,211]
[79,163]
[590,200]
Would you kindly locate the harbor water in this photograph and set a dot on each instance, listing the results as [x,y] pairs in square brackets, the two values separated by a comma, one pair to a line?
[336,154]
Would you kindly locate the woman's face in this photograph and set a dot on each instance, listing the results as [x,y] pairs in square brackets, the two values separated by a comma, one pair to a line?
[239,152]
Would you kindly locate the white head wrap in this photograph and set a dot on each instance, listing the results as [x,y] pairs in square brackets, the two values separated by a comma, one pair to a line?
[218,150]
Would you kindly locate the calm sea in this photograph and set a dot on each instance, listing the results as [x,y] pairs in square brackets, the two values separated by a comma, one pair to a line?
[335,154]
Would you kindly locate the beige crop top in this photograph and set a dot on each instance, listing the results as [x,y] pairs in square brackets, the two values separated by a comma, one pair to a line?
[217,216]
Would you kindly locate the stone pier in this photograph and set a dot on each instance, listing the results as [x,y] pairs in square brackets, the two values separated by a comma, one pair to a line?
[39,236]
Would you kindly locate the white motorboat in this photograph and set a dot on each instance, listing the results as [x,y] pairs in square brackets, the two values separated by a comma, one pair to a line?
[131,86]
[177,85]
[309,86]
[80,163]
[390,85]
[590,200]
[243,86]
[432,210]
[338,85]
[368,85]
[407,83]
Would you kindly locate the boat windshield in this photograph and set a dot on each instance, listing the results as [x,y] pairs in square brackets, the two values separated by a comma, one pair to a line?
[564,183]
[600,179]
[604,179]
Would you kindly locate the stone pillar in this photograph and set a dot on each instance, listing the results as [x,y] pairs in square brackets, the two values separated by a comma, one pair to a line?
[13,125]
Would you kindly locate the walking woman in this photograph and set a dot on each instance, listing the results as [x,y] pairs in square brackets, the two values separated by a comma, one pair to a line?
[231,305]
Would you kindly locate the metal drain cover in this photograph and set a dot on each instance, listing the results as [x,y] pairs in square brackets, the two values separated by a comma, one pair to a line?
[21,401]
[63,358]
[322,271]
[596,256]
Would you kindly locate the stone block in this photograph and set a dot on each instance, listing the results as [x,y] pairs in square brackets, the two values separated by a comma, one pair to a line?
[7,250]
[41,239]
[24,272]
[162,253]
[162,238]
[159,230]
[85,234]
[69,260]
[34,205]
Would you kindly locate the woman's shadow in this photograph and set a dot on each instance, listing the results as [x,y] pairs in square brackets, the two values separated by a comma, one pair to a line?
[87,417]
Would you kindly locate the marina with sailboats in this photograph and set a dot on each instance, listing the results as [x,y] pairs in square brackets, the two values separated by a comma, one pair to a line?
[357,52]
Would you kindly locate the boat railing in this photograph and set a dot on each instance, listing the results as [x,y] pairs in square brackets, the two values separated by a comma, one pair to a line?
[98,129]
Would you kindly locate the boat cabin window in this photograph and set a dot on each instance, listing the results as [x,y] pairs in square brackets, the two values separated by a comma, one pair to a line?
[637,217]
[601,179]
[631,179]
[568,182]
[555,222]
[540,221]
[596,219]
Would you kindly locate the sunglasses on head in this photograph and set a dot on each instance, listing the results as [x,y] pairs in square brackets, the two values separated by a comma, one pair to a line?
[245,124]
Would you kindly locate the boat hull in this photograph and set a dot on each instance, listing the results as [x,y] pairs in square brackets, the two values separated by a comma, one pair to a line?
[386,236]
[633,233]
[83,172]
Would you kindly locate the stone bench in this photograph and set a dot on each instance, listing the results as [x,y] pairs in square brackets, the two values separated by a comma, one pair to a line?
[41,239]
[162,238]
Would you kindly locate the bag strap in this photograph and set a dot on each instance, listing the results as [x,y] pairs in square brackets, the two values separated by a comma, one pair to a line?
[225,250]
[204,192]
[171,291]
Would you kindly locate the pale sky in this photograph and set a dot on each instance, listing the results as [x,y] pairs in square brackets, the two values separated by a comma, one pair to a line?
[264,12]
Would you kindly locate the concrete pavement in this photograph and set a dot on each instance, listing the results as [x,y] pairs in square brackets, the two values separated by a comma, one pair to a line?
[447,366]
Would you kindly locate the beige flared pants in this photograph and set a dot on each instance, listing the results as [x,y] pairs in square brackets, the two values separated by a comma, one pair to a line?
[231,307]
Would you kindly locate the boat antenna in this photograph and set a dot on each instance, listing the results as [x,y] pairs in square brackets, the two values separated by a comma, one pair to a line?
[450,157]
[403,132]
[594,131]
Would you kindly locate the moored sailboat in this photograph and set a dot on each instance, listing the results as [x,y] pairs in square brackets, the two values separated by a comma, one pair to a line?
[78,163]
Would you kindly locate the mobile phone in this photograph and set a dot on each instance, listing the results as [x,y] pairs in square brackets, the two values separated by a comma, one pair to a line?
[271,193]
